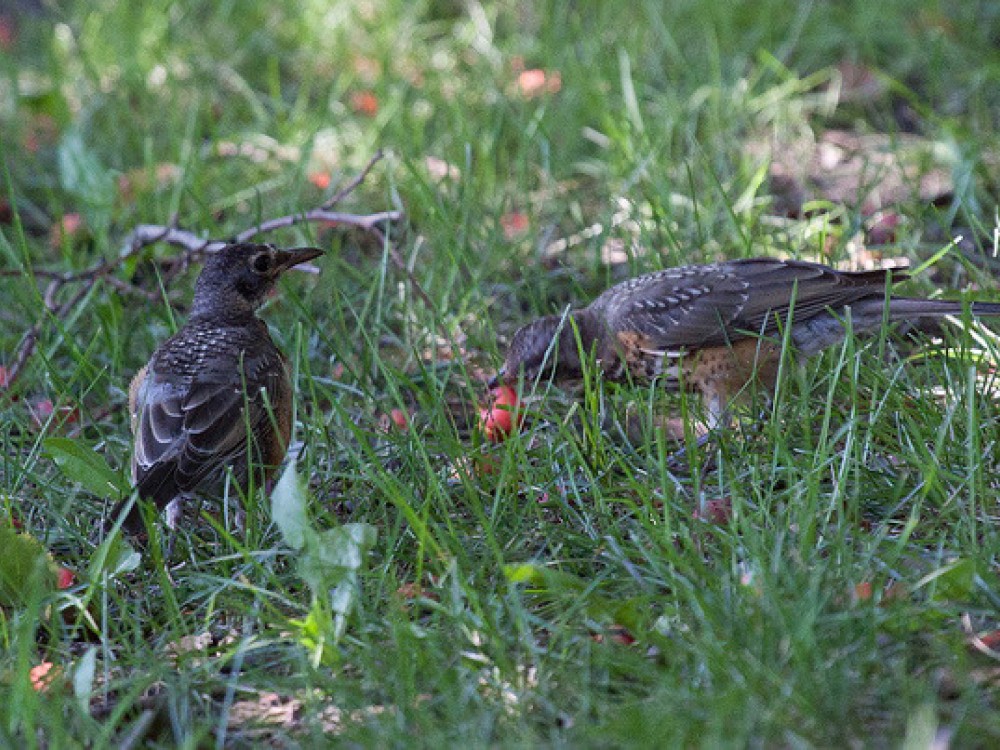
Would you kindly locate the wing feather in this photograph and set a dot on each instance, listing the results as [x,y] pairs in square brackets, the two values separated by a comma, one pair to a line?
[190,423]
[715,305]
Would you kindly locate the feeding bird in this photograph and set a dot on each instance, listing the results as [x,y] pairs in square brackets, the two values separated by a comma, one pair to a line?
[716,328]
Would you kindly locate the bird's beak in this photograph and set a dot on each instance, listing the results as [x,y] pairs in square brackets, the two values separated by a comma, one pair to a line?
[495,380]
[296,256]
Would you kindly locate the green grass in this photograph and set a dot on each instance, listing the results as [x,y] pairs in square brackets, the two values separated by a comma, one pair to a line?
[491,608]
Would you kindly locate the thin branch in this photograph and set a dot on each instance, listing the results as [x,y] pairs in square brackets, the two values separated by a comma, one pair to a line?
[353,183]
[398,261]
[367,222]
[145,235]
[30,340]
[123,286]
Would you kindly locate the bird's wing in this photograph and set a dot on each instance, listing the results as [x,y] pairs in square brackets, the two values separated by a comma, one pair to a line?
[188,429]
[699,306]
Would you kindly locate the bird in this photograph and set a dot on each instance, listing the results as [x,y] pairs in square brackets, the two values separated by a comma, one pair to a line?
[716,328]
[215,397]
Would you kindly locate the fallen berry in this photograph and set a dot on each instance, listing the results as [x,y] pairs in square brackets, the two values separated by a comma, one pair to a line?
[503,417]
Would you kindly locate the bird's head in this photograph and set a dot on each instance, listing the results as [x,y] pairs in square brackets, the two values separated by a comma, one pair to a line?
[549,346]
[238,278]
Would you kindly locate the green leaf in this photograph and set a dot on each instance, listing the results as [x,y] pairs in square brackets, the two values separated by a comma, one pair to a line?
[288,508]
[316,632]
[83,678]
[954,582]
[345,546]
[82,464]
[113,557]
[24,566]
[566,588]
[335,555]
[542,577]
[329,562]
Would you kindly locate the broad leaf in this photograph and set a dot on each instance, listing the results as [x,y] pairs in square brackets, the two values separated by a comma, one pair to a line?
[84,465]
[24,566]
[288,508]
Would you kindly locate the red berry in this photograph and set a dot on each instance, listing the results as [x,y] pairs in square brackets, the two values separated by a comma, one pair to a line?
[64,578]
[503,417]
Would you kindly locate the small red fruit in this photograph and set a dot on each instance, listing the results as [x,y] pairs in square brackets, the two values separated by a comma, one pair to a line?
[503,416]
[43,675]
[320,179]
[64,578]
[718,511]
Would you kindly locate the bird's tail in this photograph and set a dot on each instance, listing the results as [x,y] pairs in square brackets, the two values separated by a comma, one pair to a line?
[903,308]
[868,315]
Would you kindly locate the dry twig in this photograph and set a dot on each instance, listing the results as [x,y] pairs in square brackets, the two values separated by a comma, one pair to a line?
[145,235]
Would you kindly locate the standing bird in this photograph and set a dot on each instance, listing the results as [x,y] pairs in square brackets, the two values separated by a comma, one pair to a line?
[715,328]
[216,395]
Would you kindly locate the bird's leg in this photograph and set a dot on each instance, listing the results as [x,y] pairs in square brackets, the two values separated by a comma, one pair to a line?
[716,416]
[173,511]
[172,514]
[234,504]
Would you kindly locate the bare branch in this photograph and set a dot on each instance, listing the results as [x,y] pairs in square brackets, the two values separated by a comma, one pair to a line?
[30,340]
[398,261]
[365,221]
[353,183]
[123,286]
[145,235]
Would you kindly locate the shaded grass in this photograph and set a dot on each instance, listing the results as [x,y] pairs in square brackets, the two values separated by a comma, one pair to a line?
[746,631]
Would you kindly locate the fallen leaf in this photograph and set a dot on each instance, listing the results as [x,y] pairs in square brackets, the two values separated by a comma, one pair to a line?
[439,169]
[364,103]
[43,675]
[396,419]
[269,708]
[870,171]
[881,228]
[535,82]
[991,639]
[69,228]
[863,591]
[8,34]
[320,180]
[718,511]
[621,635]
[514,224]
[43,409]
[860,83]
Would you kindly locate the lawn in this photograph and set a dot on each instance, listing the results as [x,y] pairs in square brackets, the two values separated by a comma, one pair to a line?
[824,573]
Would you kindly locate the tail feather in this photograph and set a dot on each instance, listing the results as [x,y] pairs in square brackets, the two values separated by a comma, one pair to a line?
[816,333]
[901,308]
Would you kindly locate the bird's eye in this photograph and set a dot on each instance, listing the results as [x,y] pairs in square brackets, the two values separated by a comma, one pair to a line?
[262,262]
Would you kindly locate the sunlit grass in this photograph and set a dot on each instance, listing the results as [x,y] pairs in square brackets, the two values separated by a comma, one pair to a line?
[801,582]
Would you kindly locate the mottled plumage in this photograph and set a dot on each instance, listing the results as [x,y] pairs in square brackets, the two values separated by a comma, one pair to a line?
[714,328]
[217,387]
